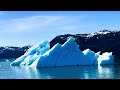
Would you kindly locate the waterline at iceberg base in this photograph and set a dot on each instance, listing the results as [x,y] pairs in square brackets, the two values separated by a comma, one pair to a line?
[68,54]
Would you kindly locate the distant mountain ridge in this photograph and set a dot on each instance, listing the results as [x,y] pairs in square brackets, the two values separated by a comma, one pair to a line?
[104,41]
[12,52]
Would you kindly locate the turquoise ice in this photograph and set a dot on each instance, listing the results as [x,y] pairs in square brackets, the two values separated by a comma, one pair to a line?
[67,54]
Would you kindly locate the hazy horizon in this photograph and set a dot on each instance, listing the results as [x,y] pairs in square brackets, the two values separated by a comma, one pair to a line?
[21,28]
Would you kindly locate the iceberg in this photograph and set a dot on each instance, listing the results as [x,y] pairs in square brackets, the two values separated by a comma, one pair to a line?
[106,58]
[32,54]
[91,56]
[67,54]
[62,55]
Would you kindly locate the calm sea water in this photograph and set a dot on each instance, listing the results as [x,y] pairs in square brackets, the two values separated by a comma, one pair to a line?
[73,72]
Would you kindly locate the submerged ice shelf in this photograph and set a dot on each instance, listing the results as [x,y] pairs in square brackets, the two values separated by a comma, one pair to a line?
[67,54]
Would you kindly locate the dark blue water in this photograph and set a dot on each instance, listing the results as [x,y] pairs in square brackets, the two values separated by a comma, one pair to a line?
[73,72]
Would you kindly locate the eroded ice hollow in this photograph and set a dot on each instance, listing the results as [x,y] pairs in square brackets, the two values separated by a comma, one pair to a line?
[67,54]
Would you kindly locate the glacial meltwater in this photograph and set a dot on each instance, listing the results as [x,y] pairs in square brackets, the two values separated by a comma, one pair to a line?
[71,72]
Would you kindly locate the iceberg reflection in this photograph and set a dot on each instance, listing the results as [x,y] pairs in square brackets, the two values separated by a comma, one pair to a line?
[107,72]
[72,72]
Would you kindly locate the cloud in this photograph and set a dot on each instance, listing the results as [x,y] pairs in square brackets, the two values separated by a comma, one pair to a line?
[40,22]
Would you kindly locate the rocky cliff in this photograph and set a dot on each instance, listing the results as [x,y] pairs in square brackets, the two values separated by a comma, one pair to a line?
[12,52]
[104,41]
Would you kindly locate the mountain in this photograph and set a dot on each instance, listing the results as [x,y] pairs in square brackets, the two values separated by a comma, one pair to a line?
[104,41]
[12,52]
